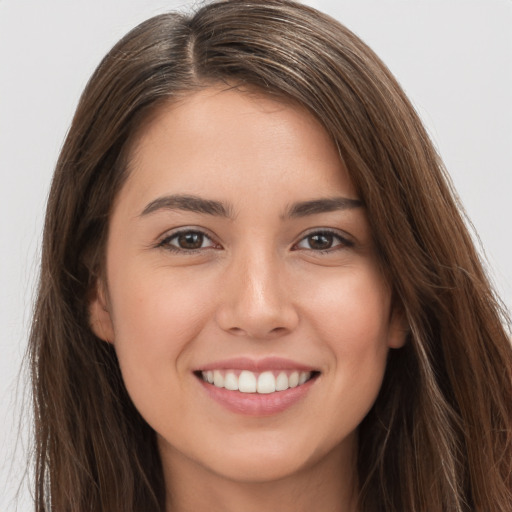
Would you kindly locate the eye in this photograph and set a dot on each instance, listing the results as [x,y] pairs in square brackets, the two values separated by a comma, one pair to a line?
[322,241]
[189,240]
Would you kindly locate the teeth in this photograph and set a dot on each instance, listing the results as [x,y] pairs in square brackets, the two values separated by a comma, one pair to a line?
[230,381]
[282,382]
[218,379]
[249,382]
[266,383]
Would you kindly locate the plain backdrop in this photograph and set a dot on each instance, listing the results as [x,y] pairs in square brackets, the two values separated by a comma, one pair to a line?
[453,58]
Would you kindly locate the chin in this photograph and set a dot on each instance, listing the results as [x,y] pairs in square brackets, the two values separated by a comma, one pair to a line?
[259,469]
[277,459]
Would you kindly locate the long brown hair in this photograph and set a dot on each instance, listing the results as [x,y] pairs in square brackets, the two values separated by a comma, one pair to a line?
[439,435]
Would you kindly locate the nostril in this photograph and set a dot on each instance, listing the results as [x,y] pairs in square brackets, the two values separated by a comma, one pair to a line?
[237,331]
[275,332]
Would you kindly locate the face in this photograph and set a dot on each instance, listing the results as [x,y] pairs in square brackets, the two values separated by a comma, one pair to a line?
[242,294]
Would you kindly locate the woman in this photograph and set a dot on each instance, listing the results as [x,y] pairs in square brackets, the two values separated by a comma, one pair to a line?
[257,290]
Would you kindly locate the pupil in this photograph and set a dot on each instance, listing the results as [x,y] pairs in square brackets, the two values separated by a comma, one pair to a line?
[190,241]
[320,241]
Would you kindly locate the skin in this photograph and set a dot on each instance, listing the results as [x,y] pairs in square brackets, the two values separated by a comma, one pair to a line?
[258,286]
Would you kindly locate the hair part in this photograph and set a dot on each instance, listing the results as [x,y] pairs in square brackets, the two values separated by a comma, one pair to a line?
[439,435]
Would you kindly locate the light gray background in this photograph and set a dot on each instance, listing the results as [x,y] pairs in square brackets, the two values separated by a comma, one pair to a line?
[453,58]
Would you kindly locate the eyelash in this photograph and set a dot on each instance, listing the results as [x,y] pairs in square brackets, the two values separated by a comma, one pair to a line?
[166,242]
[343,242]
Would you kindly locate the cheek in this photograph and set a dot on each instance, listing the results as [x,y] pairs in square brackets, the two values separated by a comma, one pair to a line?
[157,317]
[350,317]
[352,308]
[160,302]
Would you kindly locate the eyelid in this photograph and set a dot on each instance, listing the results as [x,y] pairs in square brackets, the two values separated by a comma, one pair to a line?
[164,240]
[344,238]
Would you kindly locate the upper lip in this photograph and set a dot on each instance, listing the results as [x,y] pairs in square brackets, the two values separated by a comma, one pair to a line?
[256,365]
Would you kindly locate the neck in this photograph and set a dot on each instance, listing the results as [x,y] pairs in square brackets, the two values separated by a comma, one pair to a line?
[329,485]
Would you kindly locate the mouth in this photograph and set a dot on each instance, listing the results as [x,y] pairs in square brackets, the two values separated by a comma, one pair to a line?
[264,383]
[257,387]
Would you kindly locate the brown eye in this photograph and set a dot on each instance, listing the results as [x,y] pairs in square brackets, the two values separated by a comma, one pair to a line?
[321,241]
[324,241]
[190,240]
[187,241]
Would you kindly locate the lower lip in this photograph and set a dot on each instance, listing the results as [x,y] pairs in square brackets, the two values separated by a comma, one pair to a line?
[258,404]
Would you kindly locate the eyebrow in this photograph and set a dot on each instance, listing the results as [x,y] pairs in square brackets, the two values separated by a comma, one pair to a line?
[188,203]
[305,208]
[198,204]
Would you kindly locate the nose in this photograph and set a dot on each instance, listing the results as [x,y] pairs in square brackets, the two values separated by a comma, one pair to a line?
[256,300]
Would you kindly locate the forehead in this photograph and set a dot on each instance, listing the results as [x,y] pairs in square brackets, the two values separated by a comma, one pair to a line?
[222,140]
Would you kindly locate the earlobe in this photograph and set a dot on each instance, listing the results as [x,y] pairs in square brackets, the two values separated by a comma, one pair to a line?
[100,318]
[398,328]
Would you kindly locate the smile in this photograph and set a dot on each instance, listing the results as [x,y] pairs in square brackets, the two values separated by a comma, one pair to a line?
[246,381]
[257,387]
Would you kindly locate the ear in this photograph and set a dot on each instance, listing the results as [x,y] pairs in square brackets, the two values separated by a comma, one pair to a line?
[100,318]
[398,327]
